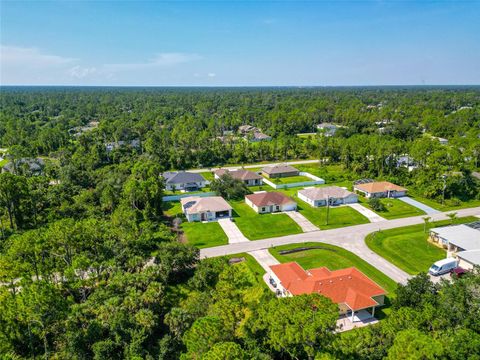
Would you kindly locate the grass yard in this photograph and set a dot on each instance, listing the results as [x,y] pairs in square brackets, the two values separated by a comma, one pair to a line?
[290,180]
[191,193]
[338,217]
[208,175]
[330,173]
[449,204]
[334,258]
[255,226]
[253,265]
[408,248]
[394,208]
[204,235]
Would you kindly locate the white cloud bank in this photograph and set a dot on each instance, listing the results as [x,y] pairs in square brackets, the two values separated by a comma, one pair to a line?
[30,56]
[159,60]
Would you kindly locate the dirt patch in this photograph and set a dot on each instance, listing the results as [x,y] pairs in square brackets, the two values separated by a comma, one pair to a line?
[236,260]
[291,251]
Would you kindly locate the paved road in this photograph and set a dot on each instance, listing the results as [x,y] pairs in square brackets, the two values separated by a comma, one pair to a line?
[302,221]
[232,231]
[297,162]
[369,214]
[428,210]
[351,238]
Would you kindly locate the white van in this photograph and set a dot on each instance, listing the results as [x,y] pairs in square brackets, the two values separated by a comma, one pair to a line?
[443,266]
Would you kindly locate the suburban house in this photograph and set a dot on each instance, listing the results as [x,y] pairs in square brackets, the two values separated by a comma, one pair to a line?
[349,288]
[461,241]
[279,171]
[269,202]
[248,177]
[380,189]
[253,134]
[110,146]
[332,195]
[183,181]
[259,136]
[328,129]
[441,140]
[33,166]
[209,208]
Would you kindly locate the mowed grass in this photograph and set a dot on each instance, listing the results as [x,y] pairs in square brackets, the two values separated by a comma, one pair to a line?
[408,248]
[334,258]
[340,216]
[290,180]
[395,208]
[449,205]
[262,226]
[204,235]
[198,234]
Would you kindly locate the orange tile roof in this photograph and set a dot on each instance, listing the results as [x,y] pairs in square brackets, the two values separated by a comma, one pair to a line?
[379,186]
[349,286]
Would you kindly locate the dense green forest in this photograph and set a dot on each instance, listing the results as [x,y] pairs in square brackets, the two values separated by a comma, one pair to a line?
[91,268]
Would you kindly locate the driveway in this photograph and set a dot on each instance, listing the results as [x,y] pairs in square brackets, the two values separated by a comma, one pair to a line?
[428,210]
[232,231]
[369,214]
[264,258]
[302,221]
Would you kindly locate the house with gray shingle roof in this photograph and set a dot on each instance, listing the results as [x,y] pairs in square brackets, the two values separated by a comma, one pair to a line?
[279,171]
[183,181]
[248,177]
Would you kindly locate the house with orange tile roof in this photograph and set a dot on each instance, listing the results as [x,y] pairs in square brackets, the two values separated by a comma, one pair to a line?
[380,189]
[269,202]
[351,289]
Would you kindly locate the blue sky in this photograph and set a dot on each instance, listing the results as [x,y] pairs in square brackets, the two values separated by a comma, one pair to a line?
[239,43]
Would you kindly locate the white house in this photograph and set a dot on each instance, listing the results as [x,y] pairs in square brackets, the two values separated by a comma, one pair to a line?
[333,194]
[183,181]
[380,189]
[211,208]
[269,202]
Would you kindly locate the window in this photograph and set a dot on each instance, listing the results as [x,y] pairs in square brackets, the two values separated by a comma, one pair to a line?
[263,209]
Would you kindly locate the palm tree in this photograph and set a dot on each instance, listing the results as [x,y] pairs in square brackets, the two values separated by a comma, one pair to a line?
[452,216]
[426,219]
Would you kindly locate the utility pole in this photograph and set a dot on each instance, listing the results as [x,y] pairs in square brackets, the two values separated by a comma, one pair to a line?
[328,208]
[444,177]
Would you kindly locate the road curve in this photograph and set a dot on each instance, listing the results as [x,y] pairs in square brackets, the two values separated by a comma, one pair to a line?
[351,238]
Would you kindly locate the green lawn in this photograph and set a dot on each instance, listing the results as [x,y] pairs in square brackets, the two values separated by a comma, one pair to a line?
[338,216]
[253,265]
[449,204]
[290,180]
[408,248]
[192,193]
[204,235]
[330,173]
[334,258]
[394,208]
[208,175]
[255,226]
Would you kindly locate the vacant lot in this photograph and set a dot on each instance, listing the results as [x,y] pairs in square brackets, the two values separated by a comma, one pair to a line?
[449,204]
[408,248]
[204,235]
[255,226]
[290,180]
[339,216]
[394,208]
[334,258]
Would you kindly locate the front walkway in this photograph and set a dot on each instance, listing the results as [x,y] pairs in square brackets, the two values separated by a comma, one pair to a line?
[369,214]
[232,231]
[302,221]
[264,258]
[428,210]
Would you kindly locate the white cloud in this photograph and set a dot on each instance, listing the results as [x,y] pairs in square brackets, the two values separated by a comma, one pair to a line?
[159,60]
[80,72]
[30,56]
[211,74]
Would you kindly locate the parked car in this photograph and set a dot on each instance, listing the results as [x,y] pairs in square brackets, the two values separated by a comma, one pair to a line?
[458,271]
[443,266]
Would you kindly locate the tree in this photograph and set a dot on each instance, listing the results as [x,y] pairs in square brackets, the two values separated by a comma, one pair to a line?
[13,194]
[452,216]
[225,351]
[229,188]
[376,204]
[204,333]
[300,326]
[426,220]
[418,291]
[413,344]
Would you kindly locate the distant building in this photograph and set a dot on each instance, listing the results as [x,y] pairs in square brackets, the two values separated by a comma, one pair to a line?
[442,141]
[183,181]
[110,146]
[269,202]
[280,171]
[328,129]
[334,195]
[259,136]
[210,208]
[380,189]
[79,130]
[31,166]
[248,177]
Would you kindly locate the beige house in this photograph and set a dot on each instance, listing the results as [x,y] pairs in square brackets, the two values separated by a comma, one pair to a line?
[333,195]
[279,171]
[210,208]
[248,177]
[269,202]
[380,189]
